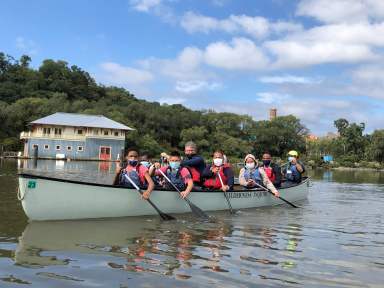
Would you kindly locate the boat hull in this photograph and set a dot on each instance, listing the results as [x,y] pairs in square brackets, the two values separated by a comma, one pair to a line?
[45,198]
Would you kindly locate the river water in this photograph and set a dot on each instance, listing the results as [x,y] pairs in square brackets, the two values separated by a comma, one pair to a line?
[336,239]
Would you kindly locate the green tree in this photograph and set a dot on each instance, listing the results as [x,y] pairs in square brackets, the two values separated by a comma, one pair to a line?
[376,146]
[197,134]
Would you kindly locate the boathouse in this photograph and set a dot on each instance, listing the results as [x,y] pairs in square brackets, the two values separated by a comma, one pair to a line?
[74,136]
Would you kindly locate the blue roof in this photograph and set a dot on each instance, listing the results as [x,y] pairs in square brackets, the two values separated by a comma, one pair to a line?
[80,120]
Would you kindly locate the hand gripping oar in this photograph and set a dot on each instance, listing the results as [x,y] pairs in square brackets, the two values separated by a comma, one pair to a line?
[162,214]
[196,210]
[225,194]
[281,198]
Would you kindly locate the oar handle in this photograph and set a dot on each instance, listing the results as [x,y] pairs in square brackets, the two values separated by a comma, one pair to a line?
[133,183]
[169,180]
[225,193]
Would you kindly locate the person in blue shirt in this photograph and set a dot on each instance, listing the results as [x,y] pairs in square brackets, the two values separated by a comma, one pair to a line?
[195,163]
[294,169]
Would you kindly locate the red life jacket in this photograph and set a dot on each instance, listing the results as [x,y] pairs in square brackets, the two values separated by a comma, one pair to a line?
[269,171]
[141,176]
[214,182]
[196,177]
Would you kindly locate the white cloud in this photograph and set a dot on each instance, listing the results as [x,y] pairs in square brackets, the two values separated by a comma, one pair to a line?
[186,66]
[346,11]
[284,79]
[159,8]
[144,5]
[296,54]
[368,80]
[116,74]
[257,27]
[26,46]
[359,33]
[193,86]
[271,97]
[240,54]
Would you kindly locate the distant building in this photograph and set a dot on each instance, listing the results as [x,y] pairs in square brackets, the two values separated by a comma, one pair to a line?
[312,137]
[75,136]
[272,114]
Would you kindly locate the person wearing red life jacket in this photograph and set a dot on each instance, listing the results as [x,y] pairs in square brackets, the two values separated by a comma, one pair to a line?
[179,176]
[272,170]
[251,176]
[137,172]
[195,163]
[218,167]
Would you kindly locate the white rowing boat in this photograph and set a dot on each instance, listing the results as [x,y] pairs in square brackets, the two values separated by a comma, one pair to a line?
[46,198]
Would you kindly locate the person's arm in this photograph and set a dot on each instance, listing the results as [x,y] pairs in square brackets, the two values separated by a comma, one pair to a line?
[151,186]
[267,183]
[278,174]
[298,165]
[195,161]
[228,172]
[207,173]
[117,175]
[242,180]
[188,190]
[152,169]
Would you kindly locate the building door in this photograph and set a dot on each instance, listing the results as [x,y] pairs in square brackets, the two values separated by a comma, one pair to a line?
[105,153]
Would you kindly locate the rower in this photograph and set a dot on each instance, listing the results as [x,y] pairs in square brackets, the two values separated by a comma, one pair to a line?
[294,170]
[253,176]
[179,176]
[136,172]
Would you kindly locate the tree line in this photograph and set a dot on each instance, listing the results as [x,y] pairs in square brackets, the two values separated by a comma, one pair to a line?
[351,147]
[27,94]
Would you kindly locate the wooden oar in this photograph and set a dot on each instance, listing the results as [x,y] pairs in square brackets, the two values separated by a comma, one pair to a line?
[281,198]
[163,215]
[225,194]
[196,210]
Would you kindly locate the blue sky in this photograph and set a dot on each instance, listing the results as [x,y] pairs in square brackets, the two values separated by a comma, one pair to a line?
[317,59]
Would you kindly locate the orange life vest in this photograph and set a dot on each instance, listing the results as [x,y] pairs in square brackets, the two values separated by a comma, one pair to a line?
[214,182]
[196,177]
[269,171]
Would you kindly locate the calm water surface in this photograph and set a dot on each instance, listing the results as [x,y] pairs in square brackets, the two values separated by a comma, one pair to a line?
[335,240]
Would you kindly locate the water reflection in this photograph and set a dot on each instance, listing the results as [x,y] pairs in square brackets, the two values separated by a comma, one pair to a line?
[334,240]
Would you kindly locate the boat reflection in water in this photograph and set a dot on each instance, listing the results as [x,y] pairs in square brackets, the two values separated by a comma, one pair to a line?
[135,244]
[180,250]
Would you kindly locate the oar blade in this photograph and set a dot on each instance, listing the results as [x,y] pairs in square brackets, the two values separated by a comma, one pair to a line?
[166,217]
[197,211]
[163,215]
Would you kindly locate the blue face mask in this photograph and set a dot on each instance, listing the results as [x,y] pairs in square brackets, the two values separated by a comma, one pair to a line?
[174,165]
[145,163]
[133,162]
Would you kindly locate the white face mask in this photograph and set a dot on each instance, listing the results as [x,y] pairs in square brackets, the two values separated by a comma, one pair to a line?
[250,165]
[218,162]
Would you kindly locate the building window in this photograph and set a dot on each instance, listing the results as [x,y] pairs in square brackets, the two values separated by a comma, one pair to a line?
[46,147]
[46,130]
[106,132]
[96,132]
[58,147]
[80,132]
[69,148]
[116,133]
[122,133]
[58,131]
[80,148]
[35,146]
